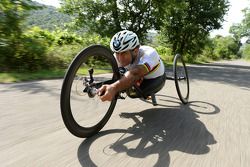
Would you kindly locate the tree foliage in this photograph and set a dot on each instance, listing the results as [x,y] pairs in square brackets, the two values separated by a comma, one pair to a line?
[183,23]
[184,26]
[225,47]
[188,23]
[242,29]
[16,49]
[107,17]
[12,14]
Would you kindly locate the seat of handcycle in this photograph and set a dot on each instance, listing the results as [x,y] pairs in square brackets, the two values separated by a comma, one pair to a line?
[147,88]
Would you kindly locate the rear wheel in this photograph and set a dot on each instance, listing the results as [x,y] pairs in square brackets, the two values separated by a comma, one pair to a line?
[83,113]
[181,78]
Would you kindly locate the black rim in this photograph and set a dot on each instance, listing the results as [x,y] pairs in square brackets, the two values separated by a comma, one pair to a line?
[181,79]
[74,92]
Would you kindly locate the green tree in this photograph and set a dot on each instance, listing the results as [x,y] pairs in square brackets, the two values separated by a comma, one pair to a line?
[225,47]
[106,17]
[242,29]
[188,23]
[237,31]
[12,14]
[16,48]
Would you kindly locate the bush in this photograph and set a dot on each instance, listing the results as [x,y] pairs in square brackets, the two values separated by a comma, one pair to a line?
[30,54]
[64,37]
[37,33]
[225,47]
[27,52]
[208,52]
[246,51]
[23,54]
[37,49]
[165,53]
[90,39]
[63,55]
[65,51]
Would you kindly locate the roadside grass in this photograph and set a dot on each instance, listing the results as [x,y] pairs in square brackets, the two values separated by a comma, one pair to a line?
[247,59]
[13,77]
[10,77]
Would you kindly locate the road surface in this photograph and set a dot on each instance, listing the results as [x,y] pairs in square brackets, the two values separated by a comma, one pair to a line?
[212,130]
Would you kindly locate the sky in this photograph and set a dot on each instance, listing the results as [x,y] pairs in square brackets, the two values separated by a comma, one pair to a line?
[54,3]
[234,14]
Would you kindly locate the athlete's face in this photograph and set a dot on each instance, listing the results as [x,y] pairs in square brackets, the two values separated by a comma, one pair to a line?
[125,58]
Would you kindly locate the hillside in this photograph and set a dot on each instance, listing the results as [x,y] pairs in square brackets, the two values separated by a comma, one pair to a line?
[47,18]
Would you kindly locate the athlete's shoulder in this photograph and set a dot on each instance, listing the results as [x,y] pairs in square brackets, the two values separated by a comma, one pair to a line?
[148,50]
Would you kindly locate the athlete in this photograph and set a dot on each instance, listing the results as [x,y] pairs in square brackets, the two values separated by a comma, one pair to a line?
[144,67]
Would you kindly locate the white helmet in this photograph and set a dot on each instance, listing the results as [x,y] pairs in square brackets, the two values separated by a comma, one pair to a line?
[123,41]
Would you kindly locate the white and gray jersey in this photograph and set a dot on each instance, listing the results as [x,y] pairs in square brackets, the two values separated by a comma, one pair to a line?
[149,58]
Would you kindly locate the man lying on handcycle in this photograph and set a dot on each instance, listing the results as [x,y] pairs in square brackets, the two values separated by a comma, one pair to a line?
[143,66]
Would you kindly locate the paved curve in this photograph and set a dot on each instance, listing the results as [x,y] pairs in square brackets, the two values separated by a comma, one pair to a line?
[212,130]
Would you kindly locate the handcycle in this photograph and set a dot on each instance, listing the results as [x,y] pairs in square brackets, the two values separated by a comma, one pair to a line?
[83,113]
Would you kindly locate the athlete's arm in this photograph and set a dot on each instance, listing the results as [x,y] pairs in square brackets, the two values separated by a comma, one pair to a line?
[107,92]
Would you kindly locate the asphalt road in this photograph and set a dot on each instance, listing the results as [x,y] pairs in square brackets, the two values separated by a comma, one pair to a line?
[212,130]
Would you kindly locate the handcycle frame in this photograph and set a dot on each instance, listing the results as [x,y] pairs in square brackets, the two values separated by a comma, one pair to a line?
[91,87]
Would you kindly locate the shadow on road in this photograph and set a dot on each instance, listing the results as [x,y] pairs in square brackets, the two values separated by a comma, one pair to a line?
[159,130]
[34,87]
[40,86]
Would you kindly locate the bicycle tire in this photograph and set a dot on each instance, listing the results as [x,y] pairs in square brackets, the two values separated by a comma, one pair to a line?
[179,65]
[67,92]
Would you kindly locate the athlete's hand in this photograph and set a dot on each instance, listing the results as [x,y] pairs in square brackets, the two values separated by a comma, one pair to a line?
[106,92]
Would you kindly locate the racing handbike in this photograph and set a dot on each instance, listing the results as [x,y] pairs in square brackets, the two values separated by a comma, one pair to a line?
[83,113]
